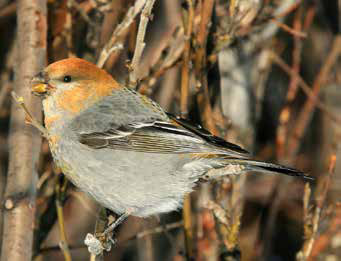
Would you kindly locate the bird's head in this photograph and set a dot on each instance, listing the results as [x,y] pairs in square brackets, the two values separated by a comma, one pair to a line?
[72,85]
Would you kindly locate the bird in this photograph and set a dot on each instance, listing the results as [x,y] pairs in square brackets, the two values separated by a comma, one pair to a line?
[123,149]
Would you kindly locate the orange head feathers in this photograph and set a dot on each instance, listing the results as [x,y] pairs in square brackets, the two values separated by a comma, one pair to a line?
[69,87]
[78,69]
[72,85]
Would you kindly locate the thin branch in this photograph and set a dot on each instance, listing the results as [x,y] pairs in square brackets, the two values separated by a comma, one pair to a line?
[140,44]
[159,229]
[288,29]
[308,108]
[5,88]
[68,28]
[169,58]
[101,224]
[60,192]
[29,119]
[82,12]
[188,17]
[8,10]
[313,218]
[282,129]
[148,232]
[200,65]
[305,88]
[120,30]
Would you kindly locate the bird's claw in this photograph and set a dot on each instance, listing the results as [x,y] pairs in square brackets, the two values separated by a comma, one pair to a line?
[96,245]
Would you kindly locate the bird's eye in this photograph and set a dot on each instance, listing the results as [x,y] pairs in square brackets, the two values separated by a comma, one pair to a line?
[67,78]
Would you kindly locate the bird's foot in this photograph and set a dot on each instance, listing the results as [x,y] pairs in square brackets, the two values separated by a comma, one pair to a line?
[101,241]
[97,244]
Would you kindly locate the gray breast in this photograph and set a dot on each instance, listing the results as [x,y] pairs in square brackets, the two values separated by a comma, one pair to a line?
[145,183]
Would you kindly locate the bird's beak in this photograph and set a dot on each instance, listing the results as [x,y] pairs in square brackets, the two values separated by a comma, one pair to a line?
[40,84]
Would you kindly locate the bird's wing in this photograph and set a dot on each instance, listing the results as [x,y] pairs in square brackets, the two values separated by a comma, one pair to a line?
[147,129]
[209,137]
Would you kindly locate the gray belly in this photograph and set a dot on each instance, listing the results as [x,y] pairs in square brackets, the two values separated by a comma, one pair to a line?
[144,183]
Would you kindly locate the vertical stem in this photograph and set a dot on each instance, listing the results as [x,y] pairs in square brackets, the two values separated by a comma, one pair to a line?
[188,25]
[24,140]
[187,217]
[188,16]
[60,192]
[200,65]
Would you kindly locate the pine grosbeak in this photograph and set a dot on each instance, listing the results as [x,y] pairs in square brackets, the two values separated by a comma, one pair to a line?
[123,149]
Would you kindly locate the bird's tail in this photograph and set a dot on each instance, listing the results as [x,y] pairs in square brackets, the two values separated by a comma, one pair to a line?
[255,165]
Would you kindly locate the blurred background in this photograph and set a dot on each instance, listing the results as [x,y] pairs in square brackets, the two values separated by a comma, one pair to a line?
[263,74]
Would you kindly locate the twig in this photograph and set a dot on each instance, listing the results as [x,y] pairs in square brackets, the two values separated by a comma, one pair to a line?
[29,118]
[188,25]
[170,57]
[160,229]
[81,11]
[5,89]
[305,88]
[5,78]
[60,191]
[204,105]
[148,81]
[101,223]
[200,65]
[140,44]
[8,10]
[205,22]
[314,218]
[187,217]
[67,32]
[289,9]
[218,212]
[100,241]
[119,31]
[286,28]
[152,231]
[282,130]
[327,238]
[188,17]
[306,113]
[145,247]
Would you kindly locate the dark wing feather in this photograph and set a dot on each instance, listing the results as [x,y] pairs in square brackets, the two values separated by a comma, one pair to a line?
[207,136]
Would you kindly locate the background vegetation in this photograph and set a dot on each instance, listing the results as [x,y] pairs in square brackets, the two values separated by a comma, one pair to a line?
[263,74]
